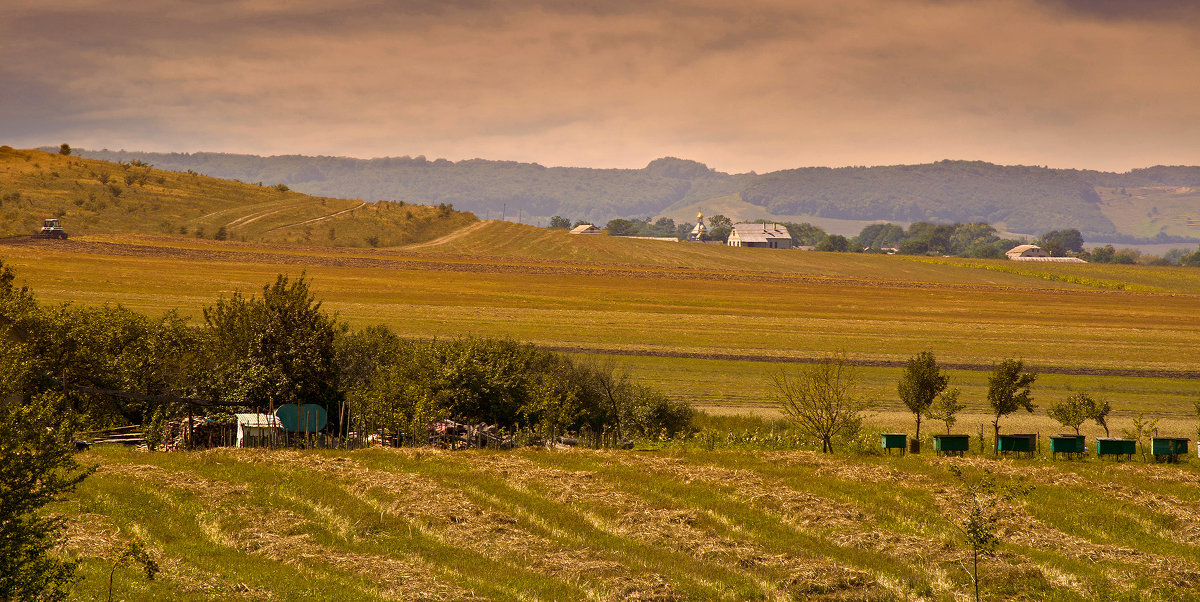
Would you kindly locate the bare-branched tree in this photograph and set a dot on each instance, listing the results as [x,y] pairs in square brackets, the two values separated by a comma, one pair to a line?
[821,400]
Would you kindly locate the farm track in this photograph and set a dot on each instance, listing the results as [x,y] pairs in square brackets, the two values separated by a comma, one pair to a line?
[320,219]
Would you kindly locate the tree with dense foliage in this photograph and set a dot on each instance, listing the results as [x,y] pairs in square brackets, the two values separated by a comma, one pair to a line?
[804,234]
[37,464]
[946,408]
[1067,240]
[719,228]
[273,350]
[559,221]
[1191,261]
[1076,409]
[1009,390]
[821,400]
[64,149]
[37,461]
[621,227]
[920,383]
[880,236]
[509,384]
[834,243]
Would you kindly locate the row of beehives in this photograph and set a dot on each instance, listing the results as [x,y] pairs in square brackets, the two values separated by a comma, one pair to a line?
[1162,448]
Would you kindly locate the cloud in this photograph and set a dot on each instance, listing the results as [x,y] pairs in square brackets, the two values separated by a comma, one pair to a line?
[760,85]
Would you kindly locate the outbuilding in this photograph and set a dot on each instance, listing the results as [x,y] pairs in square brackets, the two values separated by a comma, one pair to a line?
[1020,252]
[257,430]
[1036,253]
[585,229]
[767,236]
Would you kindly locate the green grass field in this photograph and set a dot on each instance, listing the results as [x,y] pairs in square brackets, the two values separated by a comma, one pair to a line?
[423,524]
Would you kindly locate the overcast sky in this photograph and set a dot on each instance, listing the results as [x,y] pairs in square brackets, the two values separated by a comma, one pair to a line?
[745,85]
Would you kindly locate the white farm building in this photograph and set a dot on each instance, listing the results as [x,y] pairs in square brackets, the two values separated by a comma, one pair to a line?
[1036,253]
[767,236]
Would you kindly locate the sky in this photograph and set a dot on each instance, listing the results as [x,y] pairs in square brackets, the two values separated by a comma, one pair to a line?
[751,85]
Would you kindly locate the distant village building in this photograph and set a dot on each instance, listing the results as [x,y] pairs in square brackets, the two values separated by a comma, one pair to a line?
[1036,253]
[767,236]
[1026,251]
[585,229]
[700,230]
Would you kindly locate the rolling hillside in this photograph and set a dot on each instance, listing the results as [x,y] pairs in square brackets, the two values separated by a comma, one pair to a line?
[1019,199]
[94,196]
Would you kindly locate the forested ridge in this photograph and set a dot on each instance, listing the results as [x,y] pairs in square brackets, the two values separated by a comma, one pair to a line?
[1023,198]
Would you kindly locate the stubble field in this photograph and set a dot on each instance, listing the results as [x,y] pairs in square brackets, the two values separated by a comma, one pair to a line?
[667,524]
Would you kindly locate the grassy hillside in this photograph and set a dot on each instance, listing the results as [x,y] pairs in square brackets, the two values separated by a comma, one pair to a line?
[640,525]
[93,196]
[1152,210]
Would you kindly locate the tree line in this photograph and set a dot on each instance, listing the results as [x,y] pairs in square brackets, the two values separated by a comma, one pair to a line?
[822,401]
[974,239]
[117,367]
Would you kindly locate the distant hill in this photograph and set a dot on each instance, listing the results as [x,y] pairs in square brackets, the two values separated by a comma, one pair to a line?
[1157,203]
[95,196]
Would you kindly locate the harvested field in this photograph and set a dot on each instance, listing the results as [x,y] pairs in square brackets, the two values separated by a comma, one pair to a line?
[425,524]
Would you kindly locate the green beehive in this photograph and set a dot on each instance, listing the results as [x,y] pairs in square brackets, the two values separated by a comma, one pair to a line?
[1168,448]
[1115,446]
[1067,444]
[951,444]
[1021,444]
[890,441]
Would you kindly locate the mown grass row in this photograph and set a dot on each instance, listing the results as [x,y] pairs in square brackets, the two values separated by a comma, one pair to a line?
[425,524]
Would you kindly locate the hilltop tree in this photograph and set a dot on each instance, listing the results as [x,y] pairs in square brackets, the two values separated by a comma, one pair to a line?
[621,227]
[559,221]
[821,401]
[1009,390]
[919,384]
[64,149]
